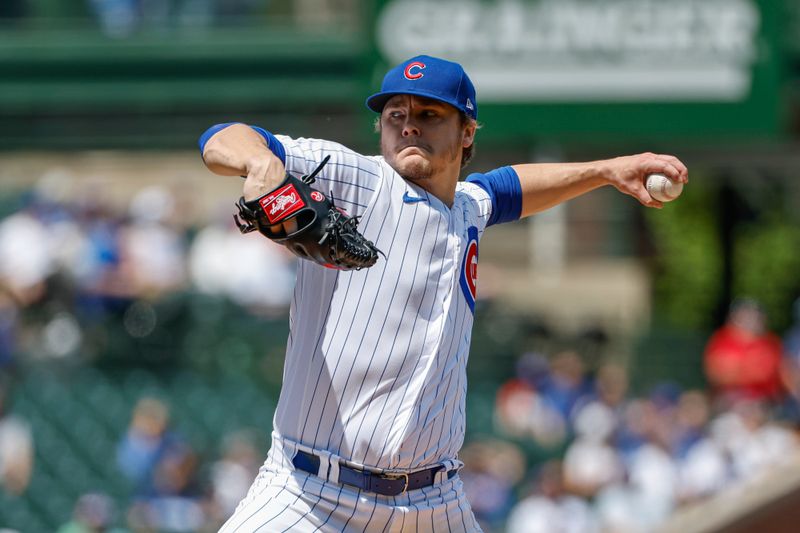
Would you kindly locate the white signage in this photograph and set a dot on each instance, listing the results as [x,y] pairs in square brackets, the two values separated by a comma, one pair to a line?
[583,50]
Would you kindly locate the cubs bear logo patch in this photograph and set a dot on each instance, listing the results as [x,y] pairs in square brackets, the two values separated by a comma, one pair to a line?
[469,268]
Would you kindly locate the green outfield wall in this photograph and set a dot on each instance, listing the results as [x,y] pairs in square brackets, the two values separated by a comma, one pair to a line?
[568,71]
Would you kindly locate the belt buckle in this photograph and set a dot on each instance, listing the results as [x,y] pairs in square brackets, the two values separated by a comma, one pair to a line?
[398,475]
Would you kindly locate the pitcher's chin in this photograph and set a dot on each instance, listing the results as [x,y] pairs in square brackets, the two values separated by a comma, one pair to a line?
[413,167]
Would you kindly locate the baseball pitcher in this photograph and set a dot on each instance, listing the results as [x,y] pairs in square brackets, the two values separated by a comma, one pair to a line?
[371,414]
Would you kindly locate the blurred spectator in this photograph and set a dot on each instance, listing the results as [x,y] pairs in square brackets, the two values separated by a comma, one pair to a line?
[117,18]
[644,496]
[492,468]
[664,397]
[152,251]
[610,388]
[176,502]
[233,473]
[550,509]
[702,471]
[617,510]
[590,462]
[790,369]
[9,323]
[692,417]
[742,359]
[567,382]
[94,513]
[611,385]
[753,442]
[533,368]
[653,479]
[100,278]
[648,420]
[525,413]
[145,443]
[163,469]
[631,430]
[224,262]
[16,445]
[26,260]
[514,407]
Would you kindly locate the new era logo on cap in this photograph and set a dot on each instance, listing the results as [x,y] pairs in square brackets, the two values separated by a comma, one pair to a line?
[430,77]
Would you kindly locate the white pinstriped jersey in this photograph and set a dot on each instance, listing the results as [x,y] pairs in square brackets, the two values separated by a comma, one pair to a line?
[375,367]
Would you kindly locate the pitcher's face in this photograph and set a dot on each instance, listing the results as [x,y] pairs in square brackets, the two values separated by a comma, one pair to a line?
[422,138]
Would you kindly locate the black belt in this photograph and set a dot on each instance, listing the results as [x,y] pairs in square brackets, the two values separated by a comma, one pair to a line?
[386,484]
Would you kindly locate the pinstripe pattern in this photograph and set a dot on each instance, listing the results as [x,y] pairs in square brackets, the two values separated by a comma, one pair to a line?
[375,369]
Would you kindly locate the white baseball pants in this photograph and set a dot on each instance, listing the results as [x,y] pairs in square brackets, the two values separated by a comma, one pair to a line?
[284,499]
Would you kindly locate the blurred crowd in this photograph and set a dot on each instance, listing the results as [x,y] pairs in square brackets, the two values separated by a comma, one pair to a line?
[172,491]
[66,265]
[622,462]
[173,488]
[70,263]
[608,458]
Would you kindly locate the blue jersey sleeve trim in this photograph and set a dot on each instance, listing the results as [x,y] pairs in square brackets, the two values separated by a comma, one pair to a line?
[502,185]
[273,143]
[209,133]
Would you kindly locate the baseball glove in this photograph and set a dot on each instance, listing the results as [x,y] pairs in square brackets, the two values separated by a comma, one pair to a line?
[325,234]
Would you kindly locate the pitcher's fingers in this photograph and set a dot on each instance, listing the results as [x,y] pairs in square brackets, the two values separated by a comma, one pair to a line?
[677,164]
[641,194]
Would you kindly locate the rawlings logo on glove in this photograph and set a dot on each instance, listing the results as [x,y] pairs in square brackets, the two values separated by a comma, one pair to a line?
[282,203]
[325,234]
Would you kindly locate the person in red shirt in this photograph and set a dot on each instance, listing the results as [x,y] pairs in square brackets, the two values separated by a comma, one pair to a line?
[742,359]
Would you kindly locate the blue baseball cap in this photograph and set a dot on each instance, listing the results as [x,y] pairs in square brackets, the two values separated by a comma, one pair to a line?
[431,77]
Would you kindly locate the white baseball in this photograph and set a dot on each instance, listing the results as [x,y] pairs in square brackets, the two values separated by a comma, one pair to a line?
[662,188]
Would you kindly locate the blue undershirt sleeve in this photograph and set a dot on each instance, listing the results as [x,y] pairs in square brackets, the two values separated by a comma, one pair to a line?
[273,143]
[502,185]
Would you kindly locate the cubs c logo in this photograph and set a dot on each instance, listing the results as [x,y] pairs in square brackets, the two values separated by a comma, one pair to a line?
[469,268]
[413,70]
